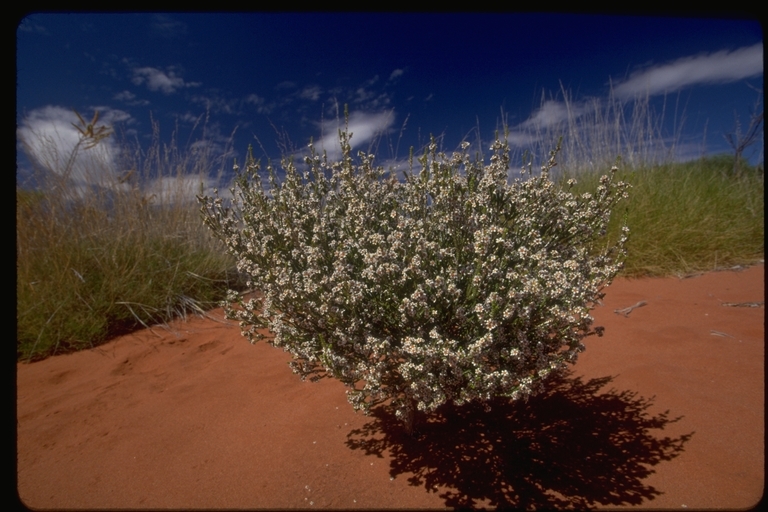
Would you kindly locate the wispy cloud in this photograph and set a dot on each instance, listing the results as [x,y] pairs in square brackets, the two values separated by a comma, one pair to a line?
[364,127]
[310,92]
[368,96]
[28,25]
[287,84]
[254,99]
[362,94]
[158,80]
[718,67]
[550,114]
[165,26]
[130,98]
[396,74]
[518,139]
[260,103]
[217,102]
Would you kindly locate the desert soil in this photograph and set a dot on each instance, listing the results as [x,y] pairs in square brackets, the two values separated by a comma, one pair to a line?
[666,410]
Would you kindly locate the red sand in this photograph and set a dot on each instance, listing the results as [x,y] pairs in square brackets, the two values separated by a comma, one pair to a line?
[199,418]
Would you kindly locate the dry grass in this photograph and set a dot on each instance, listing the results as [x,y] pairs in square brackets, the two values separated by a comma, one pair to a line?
[101,251]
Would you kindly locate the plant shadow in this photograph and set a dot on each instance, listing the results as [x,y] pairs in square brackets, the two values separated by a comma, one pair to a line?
[566,447]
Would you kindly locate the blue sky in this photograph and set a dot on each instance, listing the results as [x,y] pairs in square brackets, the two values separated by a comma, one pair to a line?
[404,77]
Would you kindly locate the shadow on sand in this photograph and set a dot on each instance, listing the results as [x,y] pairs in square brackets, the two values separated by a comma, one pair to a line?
[566,447]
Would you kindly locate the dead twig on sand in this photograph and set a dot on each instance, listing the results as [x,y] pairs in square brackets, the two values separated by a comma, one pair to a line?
[743,304]
[627,311]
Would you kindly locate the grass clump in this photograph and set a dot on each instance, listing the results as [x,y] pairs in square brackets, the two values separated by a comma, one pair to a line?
[689,217]
[103,254]
[684,217]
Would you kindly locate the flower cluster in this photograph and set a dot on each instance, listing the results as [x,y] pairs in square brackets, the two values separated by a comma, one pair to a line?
[453,284]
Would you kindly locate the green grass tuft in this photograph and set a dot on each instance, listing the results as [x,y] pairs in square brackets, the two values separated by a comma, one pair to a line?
[85,276]
[101,250]
[689,217]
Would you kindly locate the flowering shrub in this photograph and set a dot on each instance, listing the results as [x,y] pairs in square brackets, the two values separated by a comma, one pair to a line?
[453,285]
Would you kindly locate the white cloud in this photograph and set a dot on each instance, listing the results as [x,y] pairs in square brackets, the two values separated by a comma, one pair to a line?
[521,139]
[129,98]
[157,80]
[363,126]
[718,67]
[49,139]
[396,73]
[110,116]
[260,103]
[189,117]
[555,117]
[363,95]
[125,96]
[254,99]
[311,92]
[550,114]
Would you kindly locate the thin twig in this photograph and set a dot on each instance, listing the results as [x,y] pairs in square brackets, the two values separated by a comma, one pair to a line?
[743,304]
[627,311]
